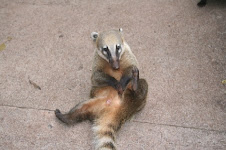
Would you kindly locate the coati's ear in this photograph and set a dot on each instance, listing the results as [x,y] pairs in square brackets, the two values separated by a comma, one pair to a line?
[94,36]
[121,33]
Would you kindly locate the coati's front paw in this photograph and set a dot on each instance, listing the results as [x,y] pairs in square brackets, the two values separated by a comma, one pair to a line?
[119,88]
[135,78]
[62,117]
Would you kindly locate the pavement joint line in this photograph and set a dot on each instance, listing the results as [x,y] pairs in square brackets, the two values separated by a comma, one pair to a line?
[23,107]
[138,121]
[178,126]
[30,4]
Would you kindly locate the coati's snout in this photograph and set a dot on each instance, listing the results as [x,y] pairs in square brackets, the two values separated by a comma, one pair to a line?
[115,64]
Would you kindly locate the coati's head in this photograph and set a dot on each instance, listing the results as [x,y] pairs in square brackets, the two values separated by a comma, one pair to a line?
[110,46]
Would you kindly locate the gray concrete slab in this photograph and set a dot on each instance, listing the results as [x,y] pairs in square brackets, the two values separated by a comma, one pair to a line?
[180,48]
[38,129]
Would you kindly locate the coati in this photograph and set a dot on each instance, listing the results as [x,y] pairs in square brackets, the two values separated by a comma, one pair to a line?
[116,93]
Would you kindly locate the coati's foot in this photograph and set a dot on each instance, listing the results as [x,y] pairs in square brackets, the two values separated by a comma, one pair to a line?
[62,117]
[135,78]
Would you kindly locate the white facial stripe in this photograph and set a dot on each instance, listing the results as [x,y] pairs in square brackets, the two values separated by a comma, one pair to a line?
[102,55]
[104,52]
[113,51]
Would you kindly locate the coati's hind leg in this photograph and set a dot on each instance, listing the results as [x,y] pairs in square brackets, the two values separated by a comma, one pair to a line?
[86,110]
[78,113]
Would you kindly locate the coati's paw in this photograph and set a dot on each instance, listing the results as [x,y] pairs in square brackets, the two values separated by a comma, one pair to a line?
[119,88]
[58,114]
[57,111]
[135,78]
[61,117]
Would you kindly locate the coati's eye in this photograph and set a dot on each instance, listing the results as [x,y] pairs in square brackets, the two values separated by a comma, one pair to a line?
[104,50]
[118,48]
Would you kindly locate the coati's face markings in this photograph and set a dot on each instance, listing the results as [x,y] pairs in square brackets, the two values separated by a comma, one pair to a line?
[112,55]
[109,46]
[105,51]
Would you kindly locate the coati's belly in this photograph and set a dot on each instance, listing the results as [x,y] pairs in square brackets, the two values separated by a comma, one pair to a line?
[109,98]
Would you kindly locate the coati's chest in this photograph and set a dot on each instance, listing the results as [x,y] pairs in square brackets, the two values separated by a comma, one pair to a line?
[117,74]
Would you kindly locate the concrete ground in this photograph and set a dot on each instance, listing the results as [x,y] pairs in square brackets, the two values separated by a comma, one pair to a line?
[45,63]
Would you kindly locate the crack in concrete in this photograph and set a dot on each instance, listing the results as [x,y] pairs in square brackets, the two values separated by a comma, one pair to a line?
[178,126]
[138,121]
[23,107]
[43,4]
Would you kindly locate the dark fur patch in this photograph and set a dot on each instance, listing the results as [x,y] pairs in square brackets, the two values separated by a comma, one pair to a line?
[110,134]
[124,81]
[117,51]
[112,127]
[202,3]
[116,127]
[103,79]
[108,53]
[109,145]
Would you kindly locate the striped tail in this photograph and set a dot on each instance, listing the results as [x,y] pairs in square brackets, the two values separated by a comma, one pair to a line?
[104,137]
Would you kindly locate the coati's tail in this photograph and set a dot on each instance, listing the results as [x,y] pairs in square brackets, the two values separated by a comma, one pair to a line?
[104,131]
[109,122]
[104,137]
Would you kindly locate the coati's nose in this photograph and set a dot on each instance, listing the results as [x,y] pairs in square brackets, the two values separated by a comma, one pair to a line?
[115,65]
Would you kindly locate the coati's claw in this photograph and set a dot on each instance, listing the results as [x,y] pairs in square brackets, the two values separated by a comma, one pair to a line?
[57,111]
[135,78]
